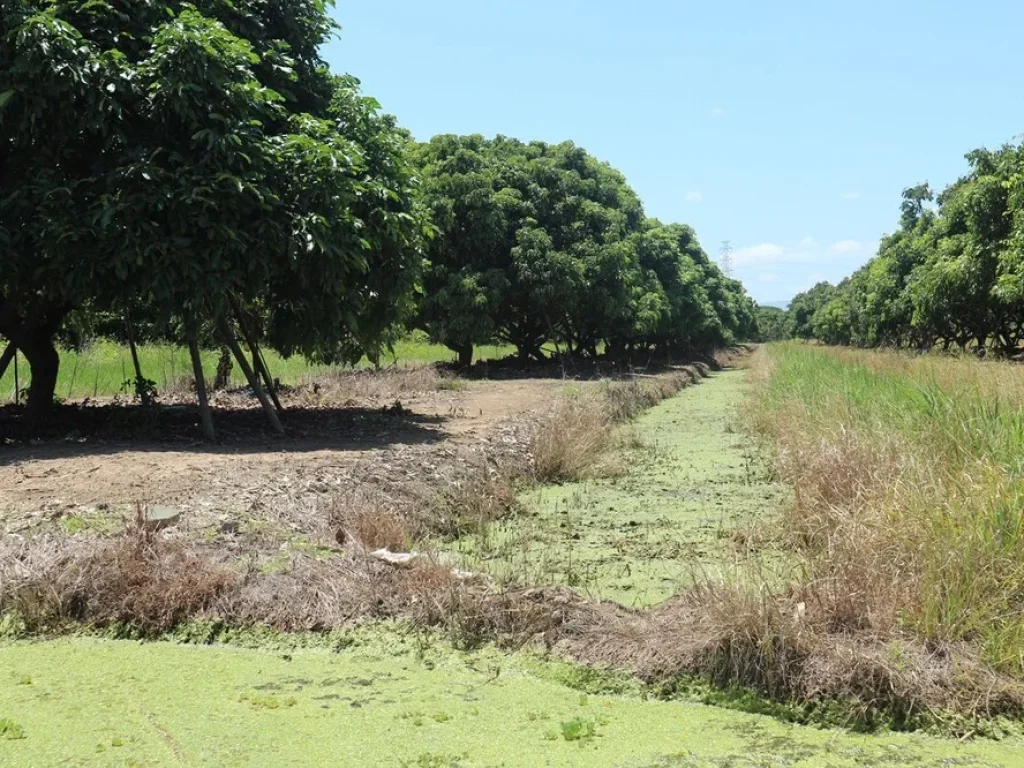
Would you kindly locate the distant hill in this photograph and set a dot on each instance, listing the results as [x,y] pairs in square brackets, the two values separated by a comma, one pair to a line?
[777,304]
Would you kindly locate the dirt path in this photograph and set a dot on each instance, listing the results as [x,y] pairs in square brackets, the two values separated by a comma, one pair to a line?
[60,478]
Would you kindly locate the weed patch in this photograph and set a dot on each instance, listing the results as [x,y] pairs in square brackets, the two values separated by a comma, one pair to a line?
[139,578]
[578,729]
[902,598]
[573,440]
[10,730]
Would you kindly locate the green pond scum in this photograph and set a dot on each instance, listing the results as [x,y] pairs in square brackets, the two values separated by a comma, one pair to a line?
[82,701]
[381,696]
[691,481]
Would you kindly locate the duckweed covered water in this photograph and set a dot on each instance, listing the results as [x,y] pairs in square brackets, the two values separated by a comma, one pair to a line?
[386,702]
[389,699]
[639,537]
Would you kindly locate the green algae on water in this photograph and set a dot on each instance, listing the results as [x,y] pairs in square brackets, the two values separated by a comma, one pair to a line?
[95,702]
[640,537]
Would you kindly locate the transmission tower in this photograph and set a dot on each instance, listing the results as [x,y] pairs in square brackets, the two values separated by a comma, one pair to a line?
[725,258]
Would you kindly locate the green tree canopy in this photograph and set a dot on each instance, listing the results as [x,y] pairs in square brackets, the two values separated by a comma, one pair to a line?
[951,275]
[182,155]
[542,242]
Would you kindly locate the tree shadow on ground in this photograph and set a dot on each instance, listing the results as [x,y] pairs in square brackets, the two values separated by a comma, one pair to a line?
[81,430]
[576,368]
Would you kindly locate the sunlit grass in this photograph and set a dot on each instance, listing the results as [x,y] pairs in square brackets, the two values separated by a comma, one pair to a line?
[909,472]
[102,369]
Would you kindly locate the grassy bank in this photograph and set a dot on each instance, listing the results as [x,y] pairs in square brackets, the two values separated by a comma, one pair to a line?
[909,474]
[901,590]
[101,369]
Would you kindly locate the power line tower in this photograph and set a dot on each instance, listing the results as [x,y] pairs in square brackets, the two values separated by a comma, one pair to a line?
[725,258]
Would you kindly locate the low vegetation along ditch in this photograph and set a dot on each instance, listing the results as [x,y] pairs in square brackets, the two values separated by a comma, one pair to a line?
[825,539]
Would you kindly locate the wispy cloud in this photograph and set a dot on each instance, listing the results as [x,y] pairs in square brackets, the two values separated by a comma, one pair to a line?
[807,251]
[717,112]
[853,194]
[844,248]
[763,253]
[774,272]
[693,196]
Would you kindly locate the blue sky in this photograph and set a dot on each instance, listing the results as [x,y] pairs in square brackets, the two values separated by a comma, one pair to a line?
[787,127]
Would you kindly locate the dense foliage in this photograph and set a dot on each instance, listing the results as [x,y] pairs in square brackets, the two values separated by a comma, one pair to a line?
[773,324]
[179,157]
[179,167]
[542,243]
[952,275]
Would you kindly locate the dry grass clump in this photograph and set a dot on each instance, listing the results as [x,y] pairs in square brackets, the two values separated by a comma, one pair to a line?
[573,441]
[785,649]
[344,385]
[153,585]
[369,521]
[139,579]
[906,547]
[315,595]
[727,356]
[470,503]
[471,495]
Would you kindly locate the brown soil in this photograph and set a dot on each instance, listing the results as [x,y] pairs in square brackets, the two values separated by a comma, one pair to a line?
[42,481]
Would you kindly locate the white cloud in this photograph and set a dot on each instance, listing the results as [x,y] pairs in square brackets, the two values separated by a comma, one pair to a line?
[773,273]
[853,194]
[717,112]
[807,251]
[693,196]
[844,248]
[764,253]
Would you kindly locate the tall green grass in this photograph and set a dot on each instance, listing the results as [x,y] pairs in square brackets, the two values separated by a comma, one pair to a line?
[102,369]
[909,472]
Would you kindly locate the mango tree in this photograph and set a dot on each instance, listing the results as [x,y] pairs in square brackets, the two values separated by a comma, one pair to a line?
[200,159]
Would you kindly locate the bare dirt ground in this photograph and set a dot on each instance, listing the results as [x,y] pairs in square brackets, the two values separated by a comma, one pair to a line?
[97,467]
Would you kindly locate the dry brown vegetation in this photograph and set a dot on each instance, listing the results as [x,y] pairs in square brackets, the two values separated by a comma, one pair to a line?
[140,579]
[150,583]
[340,386]
[472,490]
[572,440]
[776,646]
[902,590]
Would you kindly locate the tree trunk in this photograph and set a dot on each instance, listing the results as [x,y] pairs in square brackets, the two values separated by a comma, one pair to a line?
[141,390]
[265,372]
[44,363]
[222,379]
[6,358]
[250,376]
[258,365]
[204,403]
[465,353]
